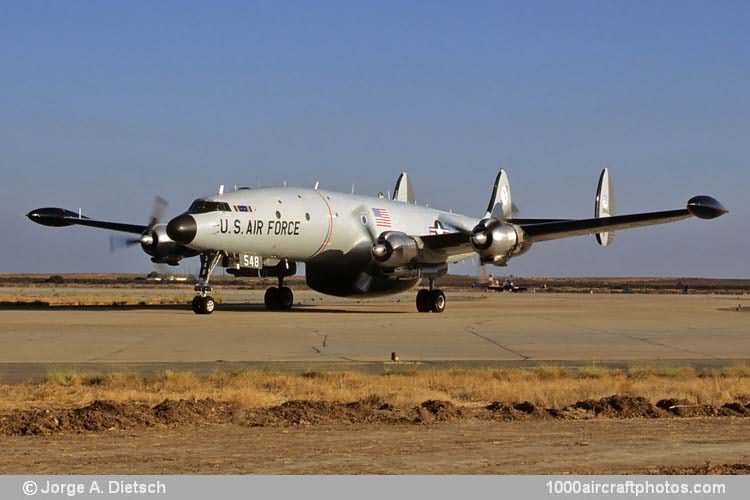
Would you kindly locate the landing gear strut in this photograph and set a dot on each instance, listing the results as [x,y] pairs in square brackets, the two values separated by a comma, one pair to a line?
[279,298]
[431,300]
[203,303]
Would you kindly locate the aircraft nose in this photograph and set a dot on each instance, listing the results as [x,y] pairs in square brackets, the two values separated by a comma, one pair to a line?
[182,229]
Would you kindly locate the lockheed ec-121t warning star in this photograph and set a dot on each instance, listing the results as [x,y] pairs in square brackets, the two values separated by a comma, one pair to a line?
[355,245]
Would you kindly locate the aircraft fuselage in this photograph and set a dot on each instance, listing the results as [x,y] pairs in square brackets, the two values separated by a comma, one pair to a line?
[332,233]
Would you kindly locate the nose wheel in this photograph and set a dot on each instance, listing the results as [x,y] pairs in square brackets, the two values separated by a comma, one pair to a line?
[430,301]
[203,305]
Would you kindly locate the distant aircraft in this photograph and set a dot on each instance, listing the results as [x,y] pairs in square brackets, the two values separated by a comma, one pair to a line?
[355,245]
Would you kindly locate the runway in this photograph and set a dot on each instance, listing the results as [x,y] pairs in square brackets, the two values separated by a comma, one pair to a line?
[477,329]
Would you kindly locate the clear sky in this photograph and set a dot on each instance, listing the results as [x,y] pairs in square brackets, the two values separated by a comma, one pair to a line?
[105,104]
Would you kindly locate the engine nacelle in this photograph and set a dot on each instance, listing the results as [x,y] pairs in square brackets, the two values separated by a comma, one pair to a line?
[395,249]
[161,248]
[496,241]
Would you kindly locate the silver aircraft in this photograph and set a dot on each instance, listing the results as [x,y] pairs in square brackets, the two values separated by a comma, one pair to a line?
[355,245]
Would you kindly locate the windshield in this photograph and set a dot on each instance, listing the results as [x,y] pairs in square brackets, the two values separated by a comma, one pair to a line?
[203,206]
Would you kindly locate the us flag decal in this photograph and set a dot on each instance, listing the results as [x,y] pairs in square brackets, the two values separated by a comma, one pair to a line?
[382,217]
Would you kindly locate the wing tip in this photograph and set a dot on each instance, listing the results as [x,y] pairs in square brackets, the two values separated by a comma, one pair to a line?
[52,216]
[705,207]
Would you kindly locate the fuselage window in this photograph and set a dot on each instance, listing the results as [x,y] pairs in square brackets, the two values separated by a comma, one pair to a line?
[278,214]
[307,216]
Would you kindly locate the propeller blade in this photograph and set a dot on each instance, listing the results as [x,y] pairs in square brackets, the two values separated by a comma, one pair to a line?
[162,269]
[119,242]
[483,276]
[157,212]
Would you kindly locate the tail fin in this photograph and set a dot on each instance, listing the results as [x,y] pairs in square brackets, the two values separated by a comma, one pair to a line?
[500,205]
[604,205]
[403,191]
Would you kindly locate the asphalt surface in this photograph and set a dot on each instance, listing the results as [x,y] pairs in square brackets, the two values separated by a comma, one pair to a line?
[477,330]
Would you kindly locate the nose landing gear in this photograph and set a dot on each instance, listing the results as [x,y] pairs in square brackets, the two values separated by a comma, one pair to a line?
[279,298]
[431,300]
[203,303]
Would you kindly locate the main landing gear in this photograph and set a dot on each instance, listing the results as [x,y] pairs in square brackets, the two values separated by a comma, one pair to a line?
[431,300]
[279,298]
[203,303]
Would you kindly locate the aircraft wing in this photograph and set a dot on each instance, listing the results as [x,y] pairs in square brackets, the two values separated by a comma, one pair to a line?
[457,245]
[448,241]
[703,207]
[59,217]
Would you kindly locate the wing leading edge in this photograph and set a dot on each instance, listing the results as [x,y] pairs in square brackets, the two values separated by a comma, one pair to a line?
[703,207]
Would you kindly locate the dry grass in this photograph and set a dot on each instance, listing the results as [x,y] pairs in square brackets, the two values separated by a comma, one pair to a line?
[95,296]
[542,386]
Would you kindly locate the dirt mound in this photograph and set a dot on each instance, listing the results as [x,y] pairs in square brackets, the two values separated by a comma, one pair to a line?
[191,411]
[615,406]
[516,411]
[304,412]
[97,416]
[708,468]
[108,415]
[735,409]
[434,410]
[685,408]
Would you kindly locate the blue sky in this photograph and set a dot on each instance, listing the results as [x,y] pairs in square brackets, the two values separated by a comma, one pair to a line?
[105,104]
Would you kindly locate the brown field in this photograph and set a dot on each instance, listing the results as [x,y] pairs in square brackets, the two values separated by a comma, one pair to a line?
[543,420]
[124,378]
[543,387]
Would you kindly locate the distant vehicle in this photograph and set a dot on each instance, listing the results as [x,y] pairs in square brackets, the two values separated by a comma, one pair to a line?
[355,245]
[495,285]
[154,276]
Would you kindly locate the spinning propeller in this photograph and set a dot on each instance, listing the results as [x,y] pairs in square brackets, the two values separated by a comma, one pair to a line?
[146,239]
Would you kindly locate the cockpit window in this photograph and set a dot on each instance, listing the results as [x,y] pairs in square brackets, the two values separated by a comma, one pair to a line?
[203,206]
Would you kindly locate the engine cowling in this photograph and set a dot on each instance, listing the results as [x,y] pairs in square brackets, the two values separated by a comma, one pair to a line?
[496,241]
[395,249]
[161,247]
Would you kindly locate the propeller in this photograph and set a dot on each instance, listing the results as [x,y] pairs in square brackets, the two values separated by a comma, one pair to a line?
[484,277]
[157,212]
[118,242]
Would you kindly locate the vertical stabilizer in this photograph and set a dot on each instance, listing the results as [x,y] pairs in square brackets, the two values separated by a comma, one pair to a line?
[404,191]
[500,205]
[604,205]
